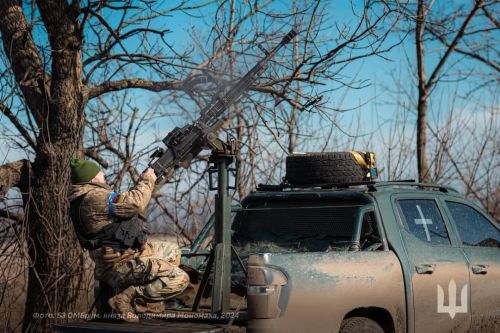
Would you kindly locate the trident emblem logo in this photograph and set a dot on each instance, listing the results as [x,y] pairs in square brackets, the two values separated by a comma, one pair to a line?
[452,308]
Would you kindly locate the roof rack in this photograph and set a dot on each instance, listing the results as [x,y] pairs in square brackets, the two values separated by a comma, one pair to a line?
[282,186]
[412,183]
[371,185]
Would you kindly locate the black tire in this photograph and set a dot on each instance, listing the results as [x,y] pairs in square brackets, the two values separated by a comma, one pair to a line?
[360,325]
[323,168]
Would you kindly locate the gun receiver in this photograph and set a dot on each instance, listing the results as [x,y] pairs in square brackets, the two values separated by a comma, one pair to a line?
[184,144]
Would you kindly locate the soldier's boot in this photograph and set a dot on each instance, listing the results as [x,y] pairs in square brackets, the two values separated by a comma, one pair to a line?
[122,303]
[143,306]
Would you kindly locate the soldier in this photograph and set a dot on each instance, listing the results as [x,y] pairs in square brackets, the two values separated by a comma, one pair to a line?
[110,226]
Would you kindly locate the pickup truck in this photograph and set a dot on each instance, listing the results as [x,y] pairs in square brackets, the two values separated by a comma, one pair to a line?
[381,257]
[388,257]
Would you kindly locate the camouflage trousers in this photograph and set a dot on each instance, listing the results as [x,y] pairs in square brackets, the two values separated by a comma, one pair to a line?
[153,271]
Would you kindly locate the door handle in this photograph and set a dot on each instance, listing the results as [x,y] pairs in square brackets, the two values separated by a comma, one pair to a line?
[480,269]
[425,268]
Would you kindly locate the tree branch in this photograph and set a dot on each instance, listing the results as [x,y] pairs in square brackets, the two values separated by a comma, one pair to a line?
[476,56]
[491,17]
[155,86]
[23,55]
[477,5]
[94,154]
[21,129]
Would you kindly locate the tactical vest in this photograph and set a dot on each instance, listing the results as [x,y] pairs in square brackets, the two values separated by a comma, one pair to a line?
[121,234]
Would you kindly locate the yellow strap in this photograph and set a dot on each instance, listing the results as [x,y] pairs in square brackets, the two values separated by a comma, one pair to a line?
[360,158]
[365,159]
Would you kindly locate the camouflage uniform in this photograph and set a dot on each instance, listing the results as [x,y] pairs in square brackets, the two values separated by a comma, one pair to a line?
[151,272]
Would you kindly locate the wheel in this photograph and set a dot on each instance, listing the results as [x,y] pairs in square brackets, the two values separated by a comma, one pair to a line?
[323,168]
[360,325]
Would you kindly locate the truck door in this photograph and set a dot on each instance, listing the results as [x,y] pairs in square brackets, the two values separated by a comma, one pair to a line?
[480,238]
[439,270]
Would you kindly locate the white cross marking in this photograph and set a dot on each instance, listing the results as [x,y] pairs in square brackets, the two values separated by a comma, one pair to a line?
[423,221]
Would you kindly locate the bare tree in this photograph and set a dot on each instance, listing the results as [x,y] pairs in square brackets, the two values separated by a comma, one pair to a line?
[60,60]
[298,104]
[470,30]
[51,76]
[462,146]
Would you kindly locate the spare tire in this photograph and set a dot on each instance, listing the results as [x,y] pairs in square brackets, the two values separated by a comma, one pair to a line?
[323,168]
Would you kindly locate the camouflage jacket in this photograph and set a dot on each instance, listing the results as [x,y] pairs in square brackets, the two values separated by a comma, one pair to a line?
[94,208]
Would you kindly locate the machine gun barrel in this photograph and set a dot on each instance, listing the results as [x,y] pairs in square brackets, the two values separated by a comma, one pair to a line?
[183,144]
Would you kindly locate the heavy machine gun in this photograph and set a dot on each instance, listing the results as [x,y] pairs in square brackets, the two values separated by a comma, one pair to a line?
[184,144]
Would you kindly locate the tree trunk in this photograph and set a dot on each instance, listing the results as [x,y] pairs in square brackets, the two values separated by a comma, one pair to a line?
[423,166]
[56,280]
[55,283]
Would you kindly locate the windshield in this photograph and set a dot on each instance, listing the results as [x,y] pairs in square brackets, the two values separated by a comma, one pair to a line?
[294,227]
